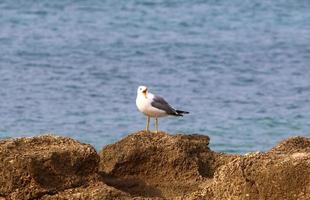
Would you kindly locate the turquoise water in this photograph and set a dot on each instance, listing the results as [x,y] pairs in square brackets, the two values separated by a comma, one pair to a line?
[242,68]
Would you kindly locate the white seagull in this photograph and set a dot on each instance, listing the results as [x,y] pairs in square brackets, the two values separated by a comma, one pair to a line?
[154,106]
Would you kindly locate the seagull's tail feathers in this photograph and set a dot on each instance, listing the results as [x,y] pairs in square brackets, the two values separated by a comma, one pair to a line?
[180,112]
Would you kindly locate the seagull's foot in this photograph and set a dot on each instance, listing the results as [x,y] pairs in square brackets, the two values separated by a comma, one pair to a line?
[154,132]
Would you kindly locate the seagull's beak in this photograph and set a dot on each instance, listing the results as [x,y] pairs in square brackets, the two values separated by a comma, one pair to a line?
[144,92]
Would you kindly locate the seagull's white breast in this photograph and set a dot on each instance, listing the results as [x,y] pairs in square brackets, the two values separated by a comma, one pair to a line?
[144,105]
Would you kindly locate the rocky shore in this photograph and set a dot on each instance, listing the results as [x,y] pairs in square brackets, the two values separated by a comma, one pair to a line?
[150,166]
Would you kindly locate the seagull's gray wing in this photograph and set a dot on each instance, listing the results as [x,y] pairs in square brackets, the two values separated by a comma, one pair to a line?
[160,103]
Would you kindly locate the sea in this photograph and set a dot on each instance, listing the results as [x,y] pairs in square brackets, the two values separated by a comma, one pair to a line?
[240,67]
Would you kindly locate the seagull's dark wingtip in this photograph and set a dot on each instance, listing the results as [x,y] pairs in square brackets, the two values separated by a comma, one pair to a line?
[181,112]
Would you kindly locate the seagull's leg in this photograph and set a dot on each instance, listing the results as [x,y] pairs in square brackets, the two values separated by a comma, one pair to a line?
[156,124]
[147,124]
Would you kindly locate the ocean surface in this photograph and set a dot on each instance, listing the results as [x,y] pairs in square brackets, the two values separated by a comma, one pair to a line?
[241,68]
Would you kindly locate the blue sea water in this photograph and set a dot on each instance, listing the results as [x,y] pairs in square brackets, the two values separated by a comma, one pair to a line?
[241,67]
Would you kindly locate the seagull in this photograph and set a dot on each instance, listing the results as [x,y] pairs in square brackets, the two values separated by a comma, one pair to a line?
[154,106]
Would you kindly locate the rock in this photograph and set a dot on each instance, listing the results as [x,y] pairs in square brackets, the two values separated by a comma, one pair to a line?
[96,191]
[150,166]
[292,145]
[282,173]
[183,167]
[160,165]
[32,167]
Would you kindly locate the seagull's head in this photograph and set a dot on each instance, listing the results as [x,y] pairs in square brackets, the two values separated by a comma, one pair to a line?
[142,90]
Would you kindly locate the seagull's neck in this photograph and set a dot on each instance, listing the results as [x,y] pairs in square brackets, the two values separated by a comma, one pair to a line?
[148,95]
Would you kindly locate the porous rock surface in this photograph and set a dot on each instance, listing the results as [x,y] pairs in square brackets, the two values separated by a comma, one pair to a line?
[35,166]
[159,164]
[150,166]
[183,167]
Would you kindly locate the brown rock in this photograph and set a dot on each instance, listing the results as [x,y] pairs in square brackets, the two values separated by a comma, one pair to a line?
[282,173]
[151,166]
[160,165]
[291,145]
[96,191]
[32,167]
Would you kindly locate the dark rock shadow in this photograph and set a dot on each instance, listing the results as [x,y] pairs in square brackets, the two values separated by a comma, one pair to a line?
[133,186]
